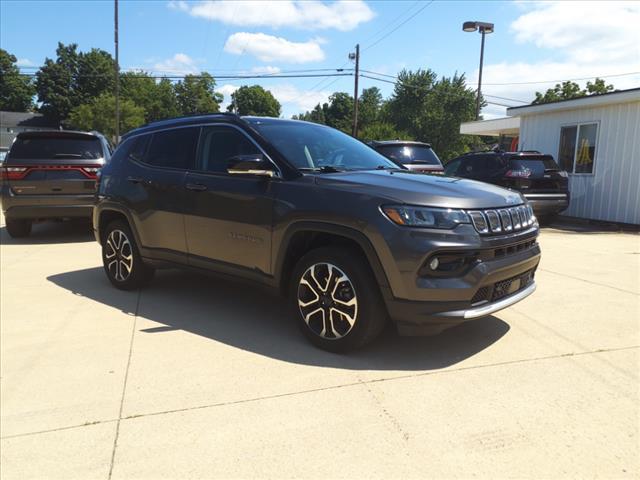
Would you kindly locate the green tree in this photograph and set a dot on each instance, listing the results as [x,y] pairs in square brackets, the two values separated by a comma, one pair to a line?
[55,83]
[254,100]
[73,79]
[196,94]
[339,111]
[16,91]
[369,106]
[598,87]
[382,131]
[431,110]
[568,90]
[99,114]
[158,99]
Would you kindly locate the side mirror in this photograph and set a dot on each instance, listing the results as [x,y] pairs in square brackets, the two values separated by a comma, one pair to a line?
[254,164]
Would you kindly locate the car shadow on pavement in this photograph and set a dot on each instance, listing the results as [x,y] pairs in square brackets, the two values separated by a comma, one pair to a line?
[51,232]
[252,319]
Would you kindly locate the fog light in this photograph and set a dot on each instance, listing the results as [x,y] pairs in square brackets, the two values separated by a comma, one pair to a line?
[434,264]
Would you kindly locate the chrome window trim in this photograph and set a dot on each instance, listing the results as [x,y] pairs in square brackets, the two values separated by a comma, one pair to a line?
[200,126]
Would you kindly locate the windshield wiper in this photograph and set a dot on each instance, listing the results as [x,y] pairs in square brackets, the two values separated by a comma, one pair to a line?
[323,169]
[67,155]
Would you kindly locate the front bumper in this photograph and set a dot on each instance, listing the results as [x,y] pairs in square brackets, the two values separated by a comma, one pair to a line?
[487,288]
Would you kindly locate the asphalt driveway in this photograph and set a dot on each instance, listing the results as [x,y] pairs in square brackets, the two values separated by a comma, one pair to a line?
[195,377]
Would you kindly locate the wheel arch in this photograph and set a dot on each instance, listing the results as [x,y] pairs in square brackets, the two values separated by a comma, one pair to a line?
[110,213]
[302,237]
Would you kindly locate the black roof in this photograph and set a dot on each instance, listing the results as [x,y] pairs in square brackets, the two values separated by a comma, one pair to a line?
[211,118]
[57,133]
[25,119]
[377,143]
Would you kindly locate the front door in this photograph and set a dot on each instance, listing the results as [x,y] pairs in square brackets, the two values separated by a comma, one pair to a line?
[228,218]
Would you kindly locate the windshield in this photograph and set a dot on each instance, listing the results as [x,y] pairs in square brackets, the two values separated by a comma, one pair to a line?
[410,154]
[308,147]
[50,147]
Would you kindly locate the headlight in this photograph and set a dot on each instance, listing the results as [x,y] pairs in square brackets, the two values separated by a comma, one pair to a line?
[426,217]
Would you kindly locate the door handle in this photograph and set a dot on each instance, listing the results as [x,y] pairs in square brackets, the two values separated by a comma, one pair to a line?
[135,180]
[196,187]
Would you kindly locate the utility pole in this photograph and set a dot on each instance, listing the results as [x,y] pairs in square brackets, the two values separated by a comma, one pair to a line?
[356,56]
[117,66]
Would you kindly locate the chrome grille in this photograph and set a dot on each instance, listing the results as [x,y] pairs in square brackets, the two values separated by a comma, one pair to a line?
[503,220]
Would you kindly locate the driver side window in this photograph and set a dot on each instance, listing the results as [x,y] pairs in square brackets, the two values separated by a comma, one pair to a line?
[220,144]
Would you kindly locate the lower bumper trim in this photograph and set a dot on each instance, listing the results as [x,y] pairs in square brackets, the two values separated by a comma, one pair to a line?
[489,308]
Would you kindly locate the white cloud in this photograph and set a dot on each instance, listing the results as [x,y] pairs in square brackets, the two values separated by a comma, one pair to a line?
[342,15]
[295,100]
[268,48]
[226,90]
[179,64]
[581,39]
[24,62]
[267,69]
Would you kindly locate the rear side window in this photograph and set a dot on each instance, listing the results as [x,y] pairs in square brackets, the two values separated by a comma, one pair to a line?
[220,144]
[173,148]
[537,165]
[452,168]
[410,154]
[52,148]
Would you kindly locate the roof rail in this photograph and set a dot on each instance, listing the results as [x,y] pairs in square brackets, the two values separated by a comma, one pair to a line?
[231,114]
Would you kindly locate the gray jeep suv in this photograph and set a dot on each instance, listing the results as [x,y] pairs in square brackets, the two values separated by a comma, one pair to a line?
[352,238]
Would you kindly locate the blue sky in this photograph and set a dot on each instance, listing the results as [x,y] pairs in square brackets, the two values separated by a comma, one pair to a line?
[533,41]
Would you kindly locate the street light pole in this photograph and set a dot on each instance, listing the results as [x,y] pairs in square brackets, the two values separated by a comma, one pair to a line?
[483,28]
[480,77]
[117,68]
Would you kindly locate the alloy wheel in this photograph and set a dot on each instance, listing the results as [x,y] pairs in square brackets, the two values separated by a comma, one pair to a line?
[119,255]
[327,301]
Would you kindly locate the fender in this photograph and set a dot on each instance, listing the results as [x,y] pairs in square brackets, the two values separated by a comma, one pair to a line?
[331,228]
[106,205]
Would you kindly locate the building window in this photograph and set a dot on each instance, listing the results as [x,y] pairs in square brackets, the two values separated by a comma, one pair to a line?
[577,152]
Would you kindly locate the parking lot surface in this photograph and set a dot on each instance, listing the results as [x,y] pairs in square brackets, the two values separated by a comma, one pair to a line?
[196,377]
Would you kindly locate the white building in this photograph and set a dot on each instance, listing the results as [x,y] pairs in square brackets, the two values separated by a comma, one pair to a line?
[595,138]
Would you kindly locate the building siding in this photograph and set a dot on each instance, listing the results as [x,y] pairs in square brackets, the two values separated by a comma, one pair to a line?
[612,192]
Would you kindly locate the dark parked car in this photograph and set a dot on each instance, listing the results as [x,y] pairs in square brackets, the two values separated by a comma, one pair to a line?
[416,156]
[538,177]
[349,236]
[50,175]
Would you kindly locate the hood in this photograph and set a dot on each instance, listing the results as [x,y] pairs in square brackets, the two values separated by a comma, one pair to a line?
[414,188]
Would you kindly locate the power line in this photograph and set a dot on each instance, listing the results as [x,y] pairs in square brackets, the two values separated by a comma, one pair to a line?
[567,79]
[230,77]
[411,17]
[427,89]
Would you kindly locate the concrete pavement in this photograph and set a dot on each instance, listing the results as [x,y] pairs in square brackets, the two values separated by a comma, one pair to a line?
[198,378]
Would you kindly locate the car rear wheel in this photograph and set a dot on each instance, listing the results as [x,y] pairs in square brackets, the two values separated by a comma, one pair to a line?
[17,228]
[121,258]
[336,300]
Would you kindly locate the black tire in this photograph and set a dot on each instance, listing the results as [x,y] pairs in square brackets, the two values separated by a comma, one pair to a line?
[128,272]
[368,313]
[18,228]
[548,219]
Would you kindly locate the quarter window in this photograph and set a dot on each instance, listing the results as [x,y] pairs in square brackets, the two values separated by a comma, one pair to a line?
[173,148]
[220,144]
[577,152]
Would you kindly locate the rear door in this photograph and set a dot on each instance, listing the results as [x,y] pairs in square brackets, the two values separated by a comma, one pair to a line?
[53,163]
[154,189]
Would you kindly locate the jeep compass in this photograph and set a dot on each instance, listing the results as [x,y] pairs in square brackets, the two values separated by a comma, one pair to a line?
[352,238]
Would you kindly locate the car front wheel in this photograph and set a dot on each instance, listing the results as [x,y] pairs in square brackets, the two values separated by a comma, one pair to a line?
[121,259]
[336,299]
